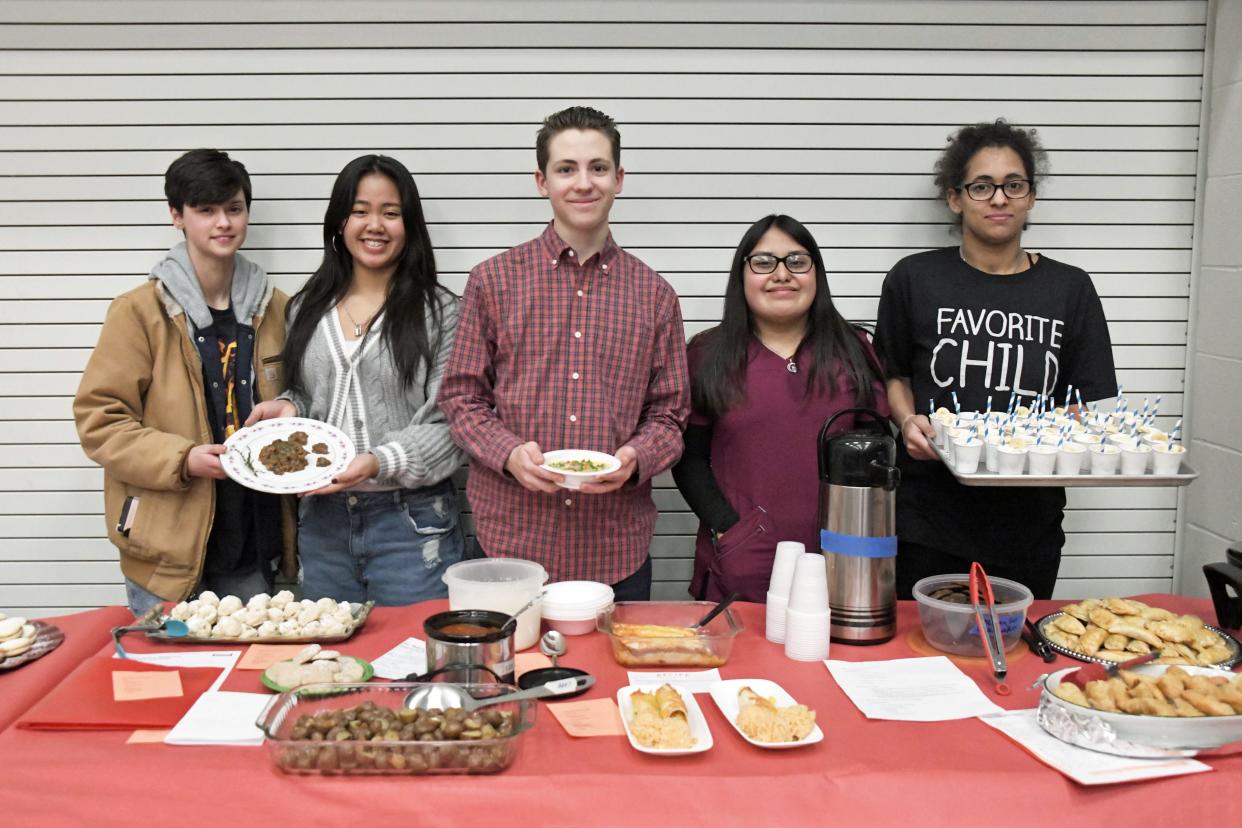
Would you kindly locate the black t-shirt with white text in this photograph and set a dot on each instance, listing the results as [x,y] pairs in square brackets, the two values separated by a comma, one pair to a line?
[951,329]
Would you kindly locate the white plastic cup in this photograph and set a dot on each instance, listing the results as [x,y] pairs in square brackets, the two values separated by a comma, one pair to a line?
[787,554]
[1167,459]
[990,451]
[1134,459]
[1069,458]
[807,635]
[1010,460]
[774,618]
[942,424]
[1086,439]
[1042,459]
[1104,459]
[809,592]
[966,450]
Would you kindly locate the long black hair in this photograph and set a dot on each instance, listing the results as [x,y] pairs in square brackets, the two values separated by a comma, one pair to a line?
[836,346]
[412,291]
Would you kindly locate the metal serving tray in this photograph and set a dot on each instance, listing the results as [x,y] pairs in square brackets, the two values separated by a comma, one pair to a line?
[983,477]
[156,614]
[1041,626]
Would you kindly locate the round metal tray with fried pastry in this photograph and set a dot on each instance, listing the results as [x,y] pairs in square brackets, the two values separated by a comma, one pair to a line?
[1041,626]
[47,638]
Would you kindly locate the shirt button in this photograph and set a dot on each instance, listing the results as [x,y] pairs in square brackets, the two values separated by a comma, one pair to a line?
[577,334]
[573,418]
[554,262]
[579,293]
[571,252]
[603,267]
[353,501]
[215,385]
[200,339]
[357,423]
[574,375]
[243,382]
[569,502]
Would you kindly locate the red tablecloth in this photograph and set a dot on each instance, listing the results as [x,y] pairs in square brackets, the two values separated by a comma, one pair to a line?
[85,633]
[881,773]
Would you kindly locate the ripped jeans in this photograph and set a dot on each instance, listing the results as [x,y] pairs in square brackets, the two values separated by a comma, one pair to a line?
[389,547]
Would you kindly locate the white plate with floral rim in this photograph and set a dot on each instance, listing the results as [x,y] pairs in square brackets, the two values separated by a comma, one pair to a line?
[327,453]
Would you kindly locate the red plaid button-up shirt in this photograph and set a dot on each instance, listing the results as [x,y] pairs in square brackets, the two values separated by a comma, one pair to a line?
[579,355]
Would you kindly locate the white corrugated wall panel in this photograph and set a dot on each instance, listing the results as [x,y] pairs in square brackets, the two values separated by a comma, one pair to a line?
[830,111]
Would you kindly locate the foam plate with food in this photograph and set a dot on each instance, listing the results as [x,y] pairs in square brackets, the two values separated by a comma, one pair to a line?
[287,455]
[776,716]
[1211,723]
[665,715]
[579,466]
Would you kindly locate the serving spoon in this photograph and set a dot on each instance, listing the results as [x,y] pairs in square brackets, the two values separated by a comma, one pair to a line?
[553,645]
[445,696]
[171,627]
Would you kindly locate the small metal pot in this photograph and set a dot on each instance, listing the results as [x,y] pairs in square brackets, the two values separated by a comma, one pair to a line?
[493,649]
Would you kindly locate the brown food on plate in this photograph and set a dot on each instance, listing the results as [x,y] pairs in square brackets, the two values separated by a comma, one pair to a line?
[323,461]
[1176,693]
[299,437]
[320,448]
[760,719]
[284,456]
[1116,629]
[660,720]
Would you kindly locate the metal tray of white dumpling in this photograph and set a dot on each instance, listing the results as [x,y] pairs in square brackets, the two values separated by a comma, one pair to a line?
[264,619]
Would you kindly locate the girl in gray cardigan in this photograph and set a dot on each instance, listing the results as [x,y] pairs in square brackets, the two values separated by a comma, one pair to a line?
[368,337]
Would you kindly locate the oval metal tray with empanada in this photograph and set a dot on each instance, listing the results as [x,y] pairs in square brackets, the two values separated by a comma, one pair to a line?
[360,613]
[1230,642]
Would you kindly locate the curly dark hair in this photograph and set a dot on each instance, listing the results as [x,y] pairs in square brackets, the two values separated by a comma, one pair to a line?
[952,164]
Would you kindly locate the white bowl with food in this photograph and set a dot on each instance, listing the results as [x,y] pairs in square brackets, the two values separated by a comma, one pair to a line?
[765,715]
[663,721]
[1144,734]
[579,466]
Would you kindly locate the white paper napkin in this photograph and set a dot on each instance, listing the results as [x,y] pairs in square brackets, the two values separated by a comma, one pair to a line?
[221,718]
[929,689]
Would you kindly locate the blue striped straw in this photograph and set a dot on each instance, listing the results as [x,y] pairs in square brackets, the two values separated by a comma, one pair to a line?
[1068,388]
[1143,413]
[1120,403]
[1039,437]
[931,406]
[988,413]
[957,408]
[1082,412]
[1061,439]
[1177,432]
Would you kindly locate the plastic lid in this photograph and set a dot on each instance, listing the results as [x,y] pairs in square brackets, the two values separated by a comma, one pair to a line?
[572,596]
[495,571]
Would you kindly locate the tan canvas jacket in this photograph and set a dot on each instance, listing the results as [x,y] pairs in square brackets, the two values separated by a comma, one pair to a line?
[139,409]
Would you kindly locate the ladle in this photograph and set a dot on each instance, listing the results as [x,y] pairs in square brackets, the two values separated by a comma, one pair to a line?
[511,624]
[445,696]
[716,610]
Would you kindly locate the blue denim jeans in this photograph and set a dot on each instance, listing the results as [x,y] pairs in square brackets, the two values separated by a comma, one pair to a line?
[387,547]
[243,586]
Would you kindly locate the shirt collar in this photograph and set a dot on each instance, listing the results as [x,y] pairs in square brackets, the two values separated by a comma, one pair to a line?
[556,247]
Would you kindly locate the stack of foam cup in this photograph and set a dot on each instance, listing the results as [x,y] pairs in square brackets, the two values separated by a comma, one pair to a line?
[807,616]
[787,554]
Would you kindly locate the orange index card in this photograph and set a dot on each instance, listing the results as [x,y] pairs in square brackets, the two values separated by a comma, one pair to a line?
[598,717]
[525,662]
[262,656]
[128,685]
[146,737]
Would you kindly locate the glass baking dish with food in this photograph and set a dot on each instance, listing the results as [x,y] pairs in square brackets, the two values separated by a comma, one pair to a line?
[366,729]
[664,633]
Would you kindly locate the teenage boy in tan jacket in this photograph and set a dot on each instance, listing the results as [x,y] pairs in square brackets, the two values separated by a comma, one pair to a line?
[174,374]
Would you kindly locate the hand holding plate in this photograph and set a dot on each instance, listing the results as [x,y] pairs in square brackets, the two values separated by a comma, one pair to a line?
[204,461]
[270,410]
[363,467]
[614,480]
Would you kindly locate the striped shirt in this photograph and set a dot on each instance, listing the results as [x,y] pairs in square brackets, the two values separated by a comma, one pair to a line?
[572,355]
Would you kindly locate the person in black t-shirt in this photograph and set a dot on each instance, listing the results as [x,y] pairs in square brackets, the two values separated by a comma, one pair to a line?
[985,319]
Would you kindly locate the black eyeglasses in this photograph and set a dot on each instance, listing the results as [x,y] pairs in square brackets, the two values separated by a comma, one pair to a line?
[984,190]
[763,263]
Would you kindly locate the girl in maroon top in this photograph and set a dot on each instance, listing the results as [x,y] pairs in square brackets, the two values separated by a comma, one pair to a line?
[763,381]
